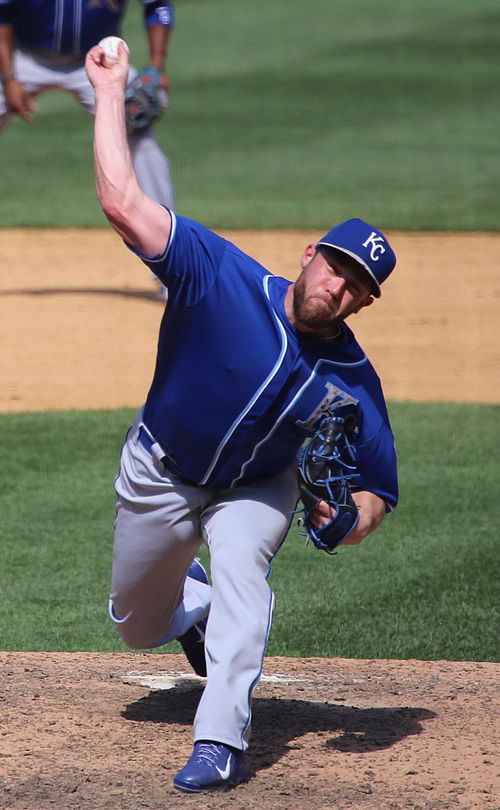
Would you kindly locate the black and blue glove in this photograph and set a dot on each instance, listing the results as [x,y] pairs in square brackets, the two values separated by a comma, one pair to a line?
[326,469]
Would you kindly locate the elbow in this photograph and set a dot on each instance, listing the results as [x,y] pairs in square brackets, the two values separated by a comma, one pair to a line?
[369,525]
[115,209]
[111,203]
[114,215]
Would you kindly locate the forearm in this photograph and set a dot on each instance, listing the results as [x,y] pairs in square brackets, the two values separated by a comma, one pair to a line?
[371,511]
[115,179]
[17,99]
[6,51]
[143,223]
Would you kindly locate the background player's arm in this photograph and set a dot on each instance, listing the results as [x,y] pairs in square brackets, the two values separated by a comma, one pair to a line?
[371,514]
[17,98]
[143,223]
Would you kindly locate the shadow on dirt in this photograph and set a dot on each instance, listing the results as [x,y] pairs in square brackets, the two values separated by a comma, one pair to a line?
[145,295]
[278,724]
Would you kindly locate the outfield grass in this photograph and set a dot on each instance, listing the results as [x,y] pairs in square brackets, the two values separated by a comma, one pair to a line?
[291,114]
[425,586]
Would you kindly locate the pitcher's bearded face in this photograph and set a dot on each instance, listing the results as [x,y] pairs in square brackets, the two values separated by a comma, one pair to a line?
[315,310]
[326,293]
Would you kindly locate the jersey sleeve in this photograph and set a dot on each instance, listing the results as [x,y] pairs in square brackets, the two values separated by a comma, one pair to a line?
[377,467]
[191,262]
[158,12]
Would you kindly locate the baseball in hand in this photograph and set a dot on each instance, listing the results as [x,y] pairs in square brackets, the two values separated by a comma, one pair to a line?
[110,45]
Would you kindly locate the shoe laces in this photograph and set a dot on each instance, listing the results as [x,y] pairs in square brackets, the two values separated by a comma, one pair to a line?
[208,752]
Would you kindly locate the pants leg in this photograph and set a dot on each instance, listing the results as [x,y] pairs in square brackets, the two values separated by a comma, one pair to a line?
[244,529]
[157,535]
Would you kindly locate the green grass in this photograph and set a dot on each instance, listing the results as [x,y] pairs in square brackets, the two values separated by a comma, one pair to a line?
[424,586]
[297,115]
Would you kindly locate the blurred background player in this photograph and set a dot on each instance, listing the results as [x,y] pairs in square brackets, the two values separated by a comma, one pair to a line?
[42,47]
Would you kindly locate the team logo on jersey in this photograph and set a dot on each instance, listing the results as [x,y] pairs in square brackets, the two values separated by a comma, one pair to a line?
[376,243]
[333,399]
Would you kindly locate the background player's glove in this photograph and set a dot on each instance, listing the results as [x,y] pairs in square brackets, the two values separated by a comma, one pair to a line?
[146,99]
[325,471]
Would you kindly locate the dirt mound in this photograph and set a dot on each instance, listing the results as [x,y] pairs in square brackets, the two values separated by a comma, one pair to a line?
[79,731]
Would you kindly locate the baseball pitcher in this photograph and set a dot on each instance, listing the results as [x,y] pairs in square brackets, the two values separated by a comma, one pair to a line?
[249,368]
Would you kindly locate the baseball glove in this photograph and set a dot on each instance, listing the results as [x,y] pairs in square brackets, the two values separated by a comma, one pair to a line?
[145,99]
[326,469]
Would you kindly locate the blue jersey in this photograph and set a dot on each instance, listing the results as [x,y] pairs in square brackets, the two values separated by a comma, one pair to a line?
[71,27]
[237,389]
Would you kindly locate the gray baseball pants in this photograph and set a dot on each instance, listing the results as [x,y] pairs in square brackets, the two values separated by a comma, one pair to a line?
[160,524]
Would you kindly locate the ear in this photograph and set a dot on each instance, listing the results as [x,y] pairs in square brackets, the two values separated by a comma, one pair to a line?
[307,255]
[366,303]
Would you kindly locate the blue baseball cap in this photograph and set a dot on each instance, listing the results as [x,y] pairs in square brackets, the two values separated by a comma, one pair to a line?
[367,245]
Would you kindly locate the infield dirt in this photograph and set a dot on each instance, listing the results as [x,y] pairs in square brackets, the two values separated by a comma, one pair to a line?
[79,317]
[78,327]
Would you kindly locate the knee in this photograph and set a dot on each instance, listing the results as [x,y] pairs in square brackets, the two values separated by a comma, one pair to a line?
[132,633]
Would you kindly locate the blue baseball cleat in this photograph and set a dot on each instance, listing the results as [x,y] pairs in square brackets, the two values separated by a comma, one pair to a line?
[211,766]
[193,640]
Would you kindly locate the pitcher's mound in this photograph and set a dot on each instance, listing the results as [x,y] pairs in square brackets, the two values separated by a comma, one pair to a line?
[108,731]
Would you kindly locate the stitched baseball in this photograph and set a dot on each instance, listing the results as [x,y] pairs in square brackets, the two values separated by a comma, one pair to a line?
[110,45]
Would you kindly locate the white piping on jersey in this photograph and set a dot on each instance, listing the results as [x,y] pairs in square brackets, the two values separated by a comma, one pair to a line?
[58,25]
[297,396]
[258,393]
[77,26]
[173,226]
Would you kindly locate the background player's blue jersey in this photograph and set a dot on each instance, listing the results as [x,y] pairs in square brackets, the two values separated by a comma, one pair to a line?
[71,27]
[227,408]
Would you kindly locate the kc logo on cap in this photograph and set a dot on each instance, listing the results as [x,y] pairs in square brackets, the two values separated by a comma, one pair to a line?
[367,245]
[377,244]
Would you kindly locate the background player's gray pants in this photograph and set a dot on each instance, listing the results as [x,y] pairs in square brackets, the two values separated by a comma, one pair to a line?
[160,525]
[39,75]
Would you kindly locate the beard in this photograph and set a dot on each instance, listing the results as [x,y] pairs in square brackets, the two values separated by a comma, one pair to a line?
[313,313]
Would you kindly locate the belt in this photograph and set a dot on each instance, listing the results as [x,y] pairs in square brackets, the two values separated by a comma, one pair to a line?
[158,453]
[54,59]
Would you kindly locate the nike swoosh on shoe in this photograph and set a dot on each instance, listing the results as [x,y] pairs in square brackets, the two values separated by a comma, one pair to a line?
[224,774]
